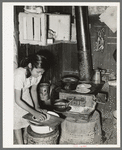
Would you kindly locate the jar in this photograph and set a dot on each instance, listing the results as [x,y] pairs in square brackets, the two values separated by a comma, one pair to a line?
[44,91]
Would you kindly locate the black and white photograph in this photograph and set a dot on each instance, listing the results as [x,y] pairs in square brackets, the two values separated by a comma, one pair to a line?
[63,87]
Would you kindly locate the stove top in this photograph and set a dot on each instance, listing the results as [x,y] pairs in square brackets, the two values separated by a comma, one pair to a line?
[94,89]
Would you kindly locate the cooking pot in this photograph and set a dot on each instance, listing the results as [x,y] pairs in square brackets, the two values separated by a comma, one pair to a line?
[42,129]
[69,82]
[61,105]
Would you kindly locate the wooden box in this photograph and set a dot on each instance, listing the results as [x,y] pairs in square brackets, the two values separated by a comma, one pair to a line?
[33,28]
[60,24]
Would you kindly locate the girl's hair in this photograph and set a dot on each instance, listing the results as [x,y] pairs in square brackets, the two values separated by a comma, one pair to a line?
[36,60]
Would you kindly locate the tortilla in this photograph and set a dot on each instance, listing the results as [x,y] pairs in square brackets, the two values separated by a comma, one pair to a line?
[83,85]
[83,90]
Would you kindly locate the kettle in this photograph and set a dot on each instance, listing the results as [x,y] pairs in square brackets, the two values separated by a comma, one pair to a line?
[97,76]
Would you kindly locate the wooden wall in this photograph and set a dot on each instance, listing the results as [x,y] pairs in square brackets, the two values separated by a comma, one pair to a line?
[65,54]
[103,59]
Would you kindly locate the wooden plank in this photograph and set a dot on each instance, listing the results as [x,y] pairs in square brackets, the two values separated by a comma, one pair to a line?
[22,23]
[29,28]
[43,23]
[24,31]
[36,29]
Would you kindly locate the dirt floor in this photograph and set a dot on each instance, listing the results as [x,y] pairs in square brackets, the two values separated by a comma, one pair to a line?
[109,131]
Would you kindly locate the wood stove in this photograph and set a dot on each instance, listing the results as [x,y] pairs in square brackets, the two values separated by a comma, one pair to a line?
[83,115]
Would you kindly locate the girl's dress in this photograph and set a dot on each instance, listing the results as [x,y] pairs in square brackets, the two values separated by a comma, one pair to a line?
[23,83]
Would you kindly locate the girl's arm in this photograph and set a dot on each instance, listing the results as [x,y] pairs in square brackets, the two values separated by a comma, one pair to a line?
[35,99]
[34,96]
[24,105]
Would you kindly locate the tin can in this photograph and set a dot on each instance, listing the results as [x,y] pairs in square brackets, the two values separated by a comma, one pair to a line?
[44,91]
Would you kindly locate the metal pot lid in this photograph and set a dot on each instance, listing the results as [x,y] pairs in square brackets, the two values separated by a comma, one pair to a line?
[69,78]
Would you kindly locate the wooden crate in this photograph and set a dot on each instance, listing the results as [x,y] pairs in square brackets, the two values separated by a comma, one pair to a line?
[33,29]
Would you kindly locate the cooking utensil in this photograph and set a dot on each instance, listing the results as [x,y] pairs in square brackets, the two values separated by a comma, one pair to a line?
[61,110]
[69,82]
[70,101]
[97,76]
[60,107]
[62,103]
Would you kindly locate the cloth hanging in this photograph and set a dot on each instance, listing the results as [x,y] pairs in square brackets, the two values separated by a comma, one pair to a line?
[15,52]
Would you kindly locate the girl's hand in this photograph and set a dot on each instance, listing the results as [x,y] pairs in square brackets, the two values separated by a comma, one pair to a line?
[39,115]
[41,110]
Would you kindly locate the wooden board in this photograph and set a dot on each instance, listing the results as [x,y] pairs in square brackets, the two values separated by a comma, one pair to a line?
[60,25]
[53,120]
[37,29]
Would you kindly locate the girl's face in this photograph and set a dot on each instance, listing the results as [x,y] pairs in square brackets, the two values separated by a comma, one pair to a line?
[36,72]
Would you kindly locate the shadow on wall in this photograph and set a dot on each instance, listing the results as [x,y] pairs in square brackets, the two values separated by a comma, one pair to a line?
[50,65]
[49,56]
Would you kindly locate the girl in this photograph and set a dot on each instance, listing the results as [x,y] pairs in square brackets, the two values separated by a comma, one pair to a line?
[26,78]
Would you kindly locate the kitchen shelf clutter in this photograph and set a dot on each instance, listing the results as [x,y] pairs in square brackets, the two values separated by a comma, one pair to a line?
[42,29]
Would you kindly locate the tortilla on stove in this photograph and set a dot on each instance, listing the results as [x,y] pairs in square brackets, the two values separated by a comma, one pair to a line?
[83,85]
[83,90]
